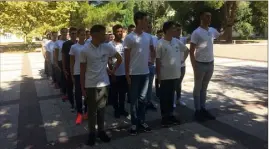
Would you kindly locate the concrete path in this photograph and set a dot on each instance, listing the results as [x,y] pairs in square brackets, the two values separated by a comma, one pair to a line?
[32,114]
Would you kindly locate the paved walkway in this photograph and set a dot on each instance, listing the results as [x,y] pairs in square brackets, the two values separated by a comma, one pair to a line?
[33,116]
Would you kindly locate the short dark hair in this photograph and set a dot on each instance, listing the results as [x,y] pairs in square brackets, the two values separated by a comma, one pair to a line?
[71,29]
[159,31]
[97,29]
[131,26]
[80,30]
[178,25]
[167,25]
[62,29]
[116,27]
[87,31]
[204,11]
[53,32]
[139,16]
[59,37]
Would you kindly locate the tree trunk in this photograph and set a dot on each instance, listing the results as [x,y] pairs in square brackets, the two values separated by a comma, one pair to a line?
[229,12]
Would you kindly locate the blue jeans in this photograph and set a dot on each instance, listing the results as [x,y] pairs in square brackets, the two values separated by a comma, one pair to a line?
[151,77]
[138,90]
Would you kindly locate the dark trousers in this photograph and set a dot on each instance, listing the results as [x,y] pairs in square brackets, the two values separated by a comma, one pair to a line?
[46,68]
[157,88]
[96,100]
[69,88]
[178,89]
[121,89]
[112,91]
[53,73]
[78,95]
[61,78]
[167,90]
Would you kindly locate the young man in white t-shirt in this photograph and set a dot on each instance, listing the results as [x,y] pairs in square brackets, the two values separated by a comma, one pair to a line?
[94,79]
[58,62]
[168,62]
[202,59]
[184,40]
[138,47]
[120,87]
[75,72]
[50,48]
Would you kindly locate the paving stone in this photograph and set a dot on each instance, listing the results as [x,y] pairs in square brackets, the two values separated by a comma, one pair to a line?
[44,88]
[8,126]
[10,91]
[254,123]
[5,76]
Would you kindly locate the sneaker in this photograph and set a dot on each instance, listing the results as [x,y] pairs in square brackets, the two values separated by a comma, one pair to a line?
[91,139]
[165,122]
[124,113]
[116,114]
[85,116]
[207,115]
[198,116]
[145,127]
[174,120]
[133,130]
[79,119]
[103,136]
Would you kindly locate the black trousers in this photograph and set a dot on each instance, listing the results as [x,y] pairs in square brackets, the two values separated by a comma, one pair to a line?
[78,95]
[69,88]
[178,89]
[167,90]
[157,88]
[53,73]
[121,89]
[61,78]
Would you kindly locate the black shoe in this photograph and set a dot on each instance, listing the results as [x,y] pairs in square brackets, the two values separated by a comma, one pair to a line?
[117,114]
[207,115]
[124,113]
[173,120]
[151,106]
[91,139]
[165,122]
[103,136]
[144,127]
[198,116]
[133,130]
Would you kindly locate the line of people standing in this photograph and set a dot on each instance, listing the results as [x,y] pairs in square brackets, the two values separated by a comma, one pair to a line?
[126,66]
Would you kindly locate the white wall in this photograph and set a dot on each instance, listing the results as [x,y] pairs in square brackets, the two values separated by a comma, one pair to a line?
[8,37]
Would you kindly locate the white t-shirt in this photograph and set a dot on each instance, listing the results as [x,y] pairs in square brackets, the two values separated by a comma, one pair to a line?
[96,59]
[140,52]
[204,40]
[119,47]
[184,41]
[50,48]
[169,53]
[59,45]
[75,51]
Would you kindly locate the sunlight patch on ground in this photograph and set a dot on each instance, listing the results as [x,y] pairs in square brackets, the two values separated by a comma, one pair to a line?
[213,140]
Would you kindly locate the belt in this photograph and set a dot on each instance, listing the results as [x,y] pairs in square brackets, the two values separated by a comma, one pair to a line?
[205,62]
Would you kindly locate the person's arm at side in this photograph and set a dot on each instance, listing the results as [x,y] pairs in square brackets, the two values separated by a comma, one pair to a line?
[152,51]
[118,62]
[127,56]
[193,44]
[83,66]
[72,62]
[184,49]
